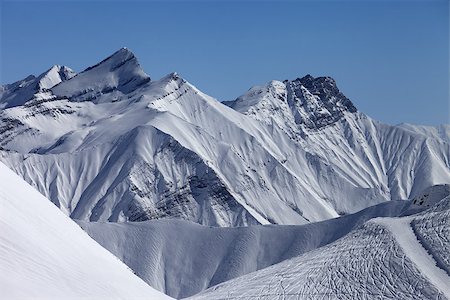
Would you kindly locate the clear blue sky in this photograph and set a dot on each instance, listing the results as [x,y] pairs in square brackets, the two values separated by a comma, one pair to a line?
[391,58]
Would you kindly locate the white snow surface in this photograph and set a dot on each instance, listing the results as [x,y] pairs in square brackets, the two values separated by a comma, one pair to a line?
[181,258]
[412,248]
[386,258]
[111,145]
[45,255]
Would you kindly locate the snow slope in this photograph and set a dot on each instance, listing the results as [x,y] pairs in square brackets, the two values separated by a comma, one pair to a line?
[181,258]
[111,145]
[45,255]
[395,258]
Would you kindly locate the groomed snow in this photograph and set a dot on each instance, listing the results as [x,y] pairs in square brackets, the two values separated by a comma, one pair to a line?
[413,249]
[45,255]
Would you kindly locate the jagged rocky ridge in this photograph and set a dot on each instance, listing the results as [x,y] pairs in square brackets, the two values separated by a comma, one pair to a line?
[313,102]
[109,144]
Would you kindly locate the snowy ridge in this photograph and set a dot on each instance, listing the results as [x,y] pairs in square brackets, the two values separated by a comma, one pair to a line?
[45,255]
[20,92]
[289,152]
[439,132]
[118,74]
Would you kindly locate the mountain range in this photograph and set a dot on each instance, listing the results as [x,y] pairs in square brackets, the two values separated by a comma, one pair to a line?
[286,192]
[110,144]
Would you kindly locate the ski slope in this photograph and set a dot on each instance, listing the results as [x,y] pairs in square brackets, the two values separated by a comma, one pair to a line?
[385,258]
[434,235]
[413,249]
[45,255]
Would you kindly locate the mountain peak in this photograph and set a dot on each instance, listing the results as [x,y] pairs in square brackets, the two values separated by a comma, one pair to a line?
[117,59]
[311,102]
[171,76]
[318,102]
[20,92]
[119,73]
[54,76]
[326,89]
[309,80]
[120,56]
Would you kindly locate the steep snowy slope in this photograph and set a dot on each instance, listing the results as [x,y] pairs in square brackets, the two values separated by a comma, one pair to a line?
[386,258]
[181,259]
[109,144]
[45,255]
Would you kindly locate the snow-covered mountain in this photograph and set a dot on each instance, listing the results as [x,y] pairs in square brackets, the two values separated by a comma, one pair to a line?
[109,144]
[45,255]
[385,258]
[18,93]
[116,75]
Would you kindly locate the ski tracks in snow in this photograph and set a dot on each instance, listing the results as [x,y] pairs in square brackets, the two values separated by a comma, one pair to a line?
[404,235]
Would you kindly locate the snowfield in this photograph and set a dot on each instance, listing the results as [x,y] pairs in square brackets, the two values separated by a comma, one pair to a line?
[109,144]
[45,255]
